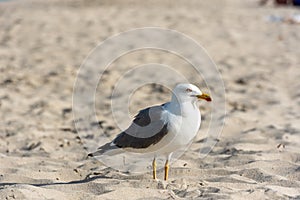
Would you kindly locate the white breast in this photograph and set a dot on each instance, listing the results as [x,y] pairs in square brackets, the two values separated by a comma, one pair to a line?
[182,129]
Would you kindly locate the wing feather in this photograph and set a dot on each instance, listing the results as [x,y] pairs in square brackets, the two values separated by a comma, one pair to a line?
[148,128]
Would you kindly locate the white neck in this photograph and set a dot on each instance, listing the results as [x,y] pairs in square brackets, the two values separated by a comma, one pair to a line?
[179,108]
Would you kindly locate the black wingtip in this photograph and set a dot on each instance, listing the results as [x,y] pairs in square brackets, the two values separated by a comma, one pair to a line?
[90,155]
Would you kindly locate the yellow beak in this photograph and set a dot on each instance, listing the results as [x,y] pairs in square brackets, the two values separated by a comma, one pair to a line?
[204,96]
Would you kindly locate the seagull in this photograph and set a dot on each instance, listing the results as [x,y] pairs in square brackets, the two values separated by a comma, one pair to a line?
[161,129]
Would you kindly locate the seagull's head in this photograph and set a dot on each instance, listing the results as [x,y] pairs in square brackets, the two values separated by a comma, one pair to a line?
[188,92]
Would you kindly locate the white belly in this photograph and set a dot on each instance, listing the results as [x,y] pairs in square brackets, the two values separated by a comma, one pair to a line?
[182,130]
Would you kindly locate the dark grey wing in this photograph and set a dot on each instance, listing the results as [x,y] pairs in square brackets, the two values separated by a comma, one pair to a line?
[148,128]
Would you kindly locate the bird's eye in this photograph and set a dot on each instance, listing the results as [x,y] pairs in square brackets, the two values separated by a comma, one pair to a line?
[188,90]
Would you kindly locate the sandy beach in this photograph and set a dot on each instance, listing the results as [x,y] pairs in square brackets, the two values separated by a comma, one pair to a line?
[43,44]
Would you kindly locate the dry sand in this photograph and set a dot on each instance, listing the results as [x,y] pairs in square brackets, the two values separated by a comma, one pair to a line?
[42,45]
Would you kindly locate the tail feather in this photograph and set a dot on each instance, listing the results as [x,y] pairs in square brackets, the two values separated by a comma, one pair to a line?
[107,149]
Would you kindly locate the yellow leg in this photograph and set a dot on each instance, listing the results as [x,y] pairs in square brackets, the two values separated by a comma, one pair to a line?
[166,170]
[154,168]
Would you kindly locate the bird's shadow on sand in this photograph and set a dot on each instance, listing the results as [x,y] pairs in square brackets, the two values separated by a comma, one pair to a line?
[89,178]
[2,185]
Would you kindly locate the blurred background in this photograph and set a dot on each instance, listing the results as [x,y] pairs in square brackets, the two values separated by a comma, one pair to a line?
[255,45]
